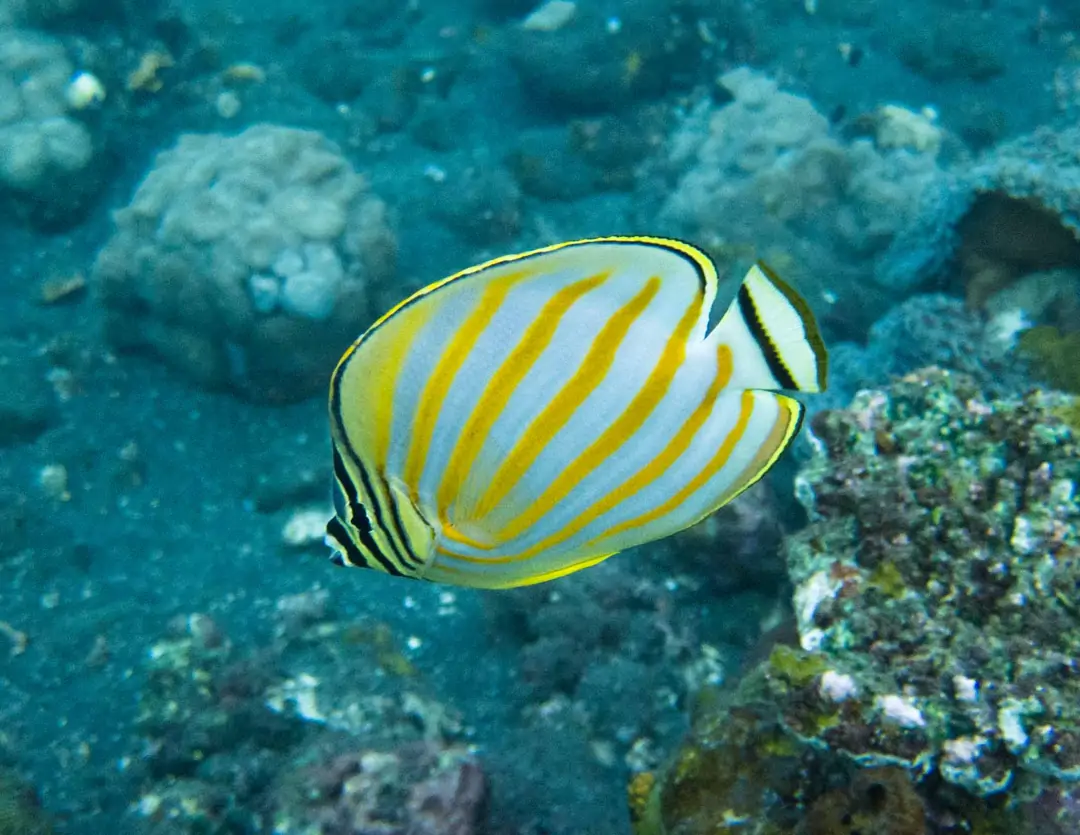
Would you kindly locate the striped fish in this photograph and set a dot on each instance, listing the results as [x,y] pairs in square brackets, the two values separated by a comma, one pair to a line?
[533,415]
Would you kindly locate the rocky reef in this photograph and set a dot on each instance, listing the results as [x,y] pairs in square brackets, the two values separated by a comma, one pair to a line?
[20,812]
[247,261]
[764,174]
[298,736]
[935,599]
[50,168]
[939,577]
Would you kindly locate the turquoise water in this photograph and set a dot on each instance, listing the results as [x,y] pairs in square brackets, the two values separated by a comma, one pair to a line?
[181,663]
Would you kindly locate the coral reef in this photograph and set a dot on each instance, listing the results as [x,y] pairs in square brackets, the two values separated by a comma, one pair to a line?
[880,800]
[585,633]
[1043,311]
[297,735]
[1042,298]
[1003,238]
[764,176]
[931,329]
[1054,355]
[614,651]
[742,770]
[415,790]
[747,533]
[49,165]
[938,634]
[724,776]
[938,572]
[1011,212]
[246,261]
[1041,167]
[598,57]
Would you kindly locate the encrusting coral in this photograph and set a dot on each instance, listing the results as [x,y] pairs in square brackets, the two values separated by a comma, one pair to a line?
[247,261]
[938,572]
[938,633]
[765,175]
[49,165]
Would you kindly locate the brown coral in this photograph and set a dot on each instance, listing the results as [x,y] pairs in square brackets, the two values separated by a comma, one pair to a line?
[878,800]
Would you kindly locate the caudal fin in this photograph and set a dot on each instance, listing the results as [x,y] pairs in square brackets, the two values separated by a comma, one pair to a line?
[774,338]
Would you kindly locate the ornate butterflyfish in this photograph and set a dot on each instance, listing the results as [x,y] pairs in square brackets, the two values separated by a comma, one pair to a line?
[533,415]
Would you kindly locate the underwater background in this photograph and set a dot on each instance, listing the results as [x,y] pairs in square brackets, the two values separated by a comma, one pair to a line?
[203,202]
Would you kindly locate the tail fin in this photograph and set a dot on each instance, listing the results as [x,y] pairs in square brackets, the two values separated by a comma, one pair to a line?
[773,335]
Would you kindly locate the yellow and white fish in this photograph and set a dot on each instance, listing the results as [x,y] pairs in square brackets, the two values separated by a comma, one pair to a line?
[534,415]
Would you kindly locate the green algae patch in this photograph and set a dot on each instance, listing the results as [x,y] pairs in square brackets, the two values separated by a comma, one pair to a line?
[1069,414]
[795,666]
[887,578]
[1054,355]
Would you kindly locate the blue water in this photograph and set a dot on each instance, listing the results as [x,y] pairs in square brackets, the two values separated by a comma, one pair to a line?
[480,137]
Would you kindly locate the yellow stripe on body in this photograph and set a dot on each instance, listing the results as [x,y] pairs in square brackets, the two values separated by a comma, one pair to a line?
[716,463]
[651,471]
[415,316]
[783,430]
[366,387]
[701,261]
[544,427]
[497,394]
[497,580]
[442,376]
[613,438]
[374,384]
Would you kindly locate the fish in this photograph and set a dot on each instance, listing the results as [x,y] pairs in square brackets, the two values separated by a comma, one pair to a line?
[533,415]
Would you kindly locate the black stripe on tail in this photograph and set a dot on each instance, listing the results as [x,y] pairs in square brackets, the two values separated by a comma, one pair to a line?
[776,365]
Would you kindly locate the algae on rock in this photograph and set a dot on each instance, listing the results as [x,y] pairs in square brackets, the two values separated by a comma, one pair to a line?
[935,599]
[968,665]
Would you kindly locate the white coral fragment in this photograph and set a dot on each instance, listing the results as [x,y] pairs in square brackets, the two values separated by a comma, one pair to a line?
[837,687]
[900,710]
[297,695]
[550,16]
[305,527]
[964,750]
[1010,726]
[811,594]
[898,127]
[966,689]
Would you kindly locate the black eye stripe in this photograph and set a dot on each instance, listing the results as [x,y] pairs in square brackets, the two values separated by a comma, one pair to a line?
[336,531]
[358,518]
